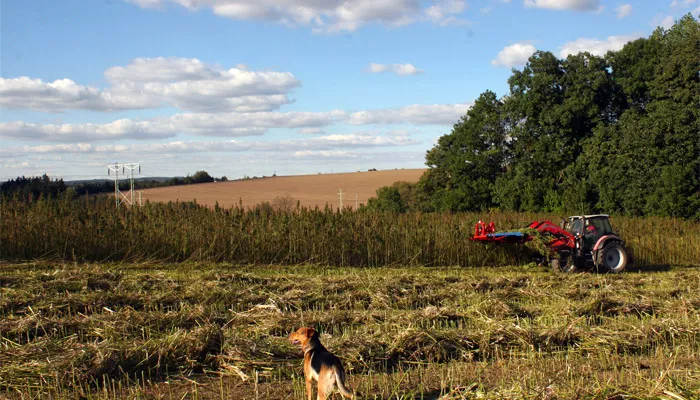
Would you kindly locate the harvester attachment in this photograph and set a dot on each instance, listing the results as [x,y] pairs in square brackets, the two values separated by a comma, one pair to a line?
[487,234]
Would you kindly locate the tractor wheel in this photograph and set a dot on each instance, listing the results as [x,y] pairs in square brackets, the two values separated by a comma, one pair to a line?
[612,258]
[562,263]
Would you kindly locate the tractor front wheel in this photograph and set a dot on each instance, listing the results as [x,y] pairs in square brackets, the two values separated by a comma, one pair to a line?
[563,263]
[612,258]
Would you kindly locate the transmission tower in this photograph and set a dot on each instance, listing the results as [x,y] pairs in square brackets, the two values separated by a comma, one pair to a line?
[340,194]
[124,171]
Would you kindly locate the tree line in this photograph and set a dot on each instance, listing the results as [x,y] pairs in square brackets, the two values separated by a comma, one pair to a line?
[30,188]
[617,134]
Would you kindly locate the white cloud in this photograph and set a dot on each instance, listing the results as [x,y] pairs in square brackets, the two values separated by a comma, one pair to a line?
[120,129]
[399,69]
[334,154]
[146,3]
[327,16]
[514,55]
[683,3]
[229,124]
[201,124]
[418,114]
[443,12]
[576,5]
[188,84]
[665,22]
[624,10]
[328,142]
[595,46]
[311,131]
[63,94]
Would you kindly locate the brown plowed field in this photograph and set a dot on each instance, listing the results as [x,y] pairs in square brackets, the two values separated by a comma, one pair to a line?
[309,190]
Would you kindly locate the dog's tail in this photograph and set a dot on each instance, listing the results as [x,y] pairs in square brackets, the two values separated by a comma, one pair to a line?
[340,381]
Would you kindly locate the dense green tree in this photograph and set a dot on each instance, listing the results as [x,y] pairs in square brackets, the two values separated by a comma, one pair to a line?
[554,104]
[649,162]
[399,197]
[465,163]
[388,199]
[619,133]
[30,188]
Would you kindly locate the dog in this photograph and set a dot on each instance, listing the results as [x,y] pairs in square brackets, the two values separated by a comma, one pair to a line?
[320,365]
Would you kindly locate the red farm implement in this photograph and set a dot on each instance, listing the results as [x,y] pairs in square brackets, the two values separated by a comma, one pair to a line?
[582,242]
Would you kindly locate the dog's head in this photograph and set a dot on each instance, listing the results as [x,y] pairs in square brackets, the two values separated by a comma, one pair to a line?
[302,335]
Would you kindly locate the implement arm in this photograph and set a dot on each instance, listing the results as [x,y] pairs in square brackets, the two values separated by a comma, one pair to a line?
[558,238]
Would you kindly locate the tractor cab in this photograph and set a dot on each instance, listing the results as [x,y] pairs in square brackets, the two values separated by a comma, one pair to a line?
[596,244]
[589,227]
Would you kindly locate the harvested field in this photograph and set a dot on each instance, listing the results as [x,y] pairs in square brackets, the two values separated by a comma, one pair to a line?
[308,190]
[212,331]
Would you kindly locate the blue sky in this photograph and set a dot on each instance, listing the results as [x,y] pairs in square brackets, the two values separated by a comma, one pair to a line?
[239,87]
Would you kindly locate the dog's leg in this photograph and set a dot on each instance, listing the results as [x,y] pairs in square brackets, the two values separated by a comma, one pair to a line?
[309,388]
[326,382]
[321,393]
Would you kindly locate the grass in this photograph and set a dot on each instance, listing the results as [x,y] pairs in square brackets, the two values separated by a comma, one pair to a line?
[213,331]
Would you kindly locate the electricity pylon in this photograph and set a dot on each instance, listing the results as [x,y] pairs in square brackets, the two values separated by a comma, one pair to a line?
[127,172]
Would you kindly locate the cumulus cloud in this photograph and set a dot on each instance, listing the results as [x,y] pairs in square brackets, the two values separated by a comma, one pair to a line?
[514,55]
[444,12]
[188,84]
[63,94]
[576,5]
[146,3]
[328,142]
[682,3]
[231,124]
[665,22]
[120,129]
[311,131]
[399,69]
[327,16]
[624,10]
[595,46]
[418,114]
[201,124]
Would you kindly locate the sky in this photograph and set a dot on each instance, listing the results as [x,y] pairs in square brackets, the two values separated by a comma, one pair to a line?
[255,88]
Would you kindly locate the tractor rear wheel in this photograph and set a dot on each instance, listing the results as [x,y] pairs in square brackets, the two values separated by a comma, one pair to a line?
[612,258]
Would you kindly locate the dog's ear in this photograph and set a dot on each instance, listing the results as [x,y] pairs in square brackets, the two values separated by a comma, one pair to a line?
[310,332]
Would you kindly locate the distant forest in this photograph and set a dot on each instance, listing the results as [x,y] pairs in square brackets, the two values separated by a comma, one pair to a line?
[617,134]
[30,188]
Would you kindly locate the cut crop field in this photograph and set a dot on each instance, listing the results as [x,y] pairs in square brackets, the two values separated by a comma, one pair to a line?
[215,331]
[308,190]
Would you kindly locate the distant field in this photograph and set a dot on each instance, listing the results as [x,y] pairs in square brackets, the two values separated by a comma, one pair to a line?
[309,190]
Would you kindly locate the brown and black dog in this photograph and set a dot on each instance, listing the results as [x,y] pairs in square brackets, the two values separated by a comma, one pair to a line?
[320,365]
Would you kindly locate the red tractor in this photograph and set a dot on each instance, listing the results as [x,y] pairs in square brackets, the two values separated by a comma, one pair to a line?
[583,242]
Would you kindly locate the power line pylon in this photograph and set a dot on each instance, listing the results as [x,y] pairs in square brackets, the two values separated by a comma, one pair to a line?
[127,172]
[340,194]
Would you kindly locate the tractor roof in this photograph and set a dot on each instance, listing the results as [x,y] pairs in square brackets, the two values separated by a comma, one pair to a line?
[589,216]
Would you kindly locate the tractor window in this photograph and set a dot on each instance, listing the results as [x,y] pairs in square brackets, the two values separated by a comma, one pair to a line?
[601,226]
[576,226]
